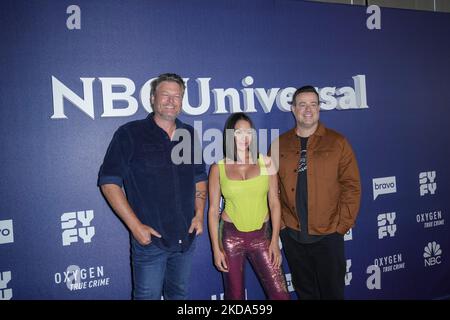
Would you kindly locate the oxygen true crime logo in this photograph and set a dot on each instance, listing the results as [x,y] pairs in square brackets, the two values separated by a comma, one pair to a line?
[390,263]
[431,219]
[77,278]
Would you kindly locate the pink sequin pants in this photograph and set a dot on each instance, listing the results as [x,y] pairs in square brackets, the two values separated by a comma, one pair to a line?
[253,245]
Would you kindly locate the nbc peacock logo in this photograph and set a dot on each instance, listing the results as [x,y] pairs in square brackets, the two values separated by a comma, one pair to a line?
[432,254]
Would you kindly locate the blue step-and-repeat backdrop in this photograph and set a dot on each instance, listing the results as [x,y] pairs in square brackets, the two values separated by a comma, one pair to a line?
[72,72]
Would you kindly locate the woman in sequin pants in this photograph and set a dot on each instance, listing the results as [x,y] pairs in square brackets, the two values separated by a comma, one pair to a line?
[248,183]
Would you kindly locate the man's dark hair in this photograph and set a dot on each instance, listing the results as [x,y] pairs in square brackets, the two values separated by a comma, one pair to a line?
[229,144]
[303,90]
[166,77]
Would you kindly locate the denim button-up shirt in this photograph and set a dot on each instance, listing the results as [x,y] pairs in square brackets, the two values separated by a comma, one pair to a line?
[161,192]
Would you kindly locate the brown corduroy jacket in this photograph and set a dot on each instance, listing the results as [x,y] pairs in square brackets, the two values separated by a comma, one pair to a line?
[334,188]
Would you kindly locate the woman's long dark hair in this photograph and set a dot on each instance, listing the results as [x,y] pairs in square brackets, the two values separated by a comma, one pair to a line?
[229,144]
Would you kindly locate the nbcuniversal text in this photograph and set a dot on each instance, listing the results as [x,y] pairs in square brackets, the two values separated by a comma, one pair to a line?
[224,100]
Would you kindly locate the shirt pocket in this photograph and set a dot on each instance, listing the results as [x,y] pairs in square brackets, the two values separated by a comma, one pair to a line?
[150,156]
[326,163]
[288,163]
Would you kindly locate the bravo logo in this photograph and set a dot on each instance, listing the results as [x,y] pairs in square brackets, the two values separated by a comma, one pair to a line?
[384,185]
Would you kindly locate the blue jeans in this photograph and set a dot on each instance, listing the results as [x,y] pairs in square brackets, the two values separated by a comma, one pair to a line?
[158,272]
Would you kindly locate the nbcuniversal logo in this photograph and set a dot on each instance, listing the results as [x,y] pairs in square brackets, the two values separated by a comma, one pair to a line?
[383,185]
[246,98]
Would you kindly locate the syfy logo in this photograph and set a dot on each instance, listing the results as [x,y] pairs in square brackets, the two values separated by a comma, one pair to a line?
[289,283]
[225,100]
[348,274]
[69,221]
[6,231]
[386,225]
[426,182]
[383,186]
[5,293]
[432,254]
[348,235]
[221,296]
[373,282]
[76,278]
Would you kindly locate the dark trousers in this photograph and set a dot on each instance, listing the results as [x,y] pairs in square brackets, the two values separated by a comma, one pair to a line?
[317,269]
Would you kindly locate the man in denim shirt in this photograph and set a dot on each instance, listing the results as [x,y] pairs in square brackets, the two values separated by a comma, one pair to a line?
[165,197]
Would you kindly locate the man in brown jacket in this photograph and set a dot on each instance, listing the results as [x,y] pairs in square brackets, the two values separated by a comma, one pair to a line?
[320,195]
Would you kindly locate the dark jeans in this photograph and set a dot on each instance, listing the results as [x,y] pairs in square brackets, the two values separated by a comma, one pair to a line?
[317,269]
[157,272]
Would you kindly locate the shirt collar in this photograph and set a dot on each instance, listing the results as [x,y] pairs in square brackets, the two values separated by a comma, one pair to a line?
[320,131]
[153,124]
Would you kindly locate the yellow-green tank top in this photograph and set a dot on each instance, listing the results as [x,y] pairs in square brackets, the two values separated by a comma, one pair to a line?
[245,200]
